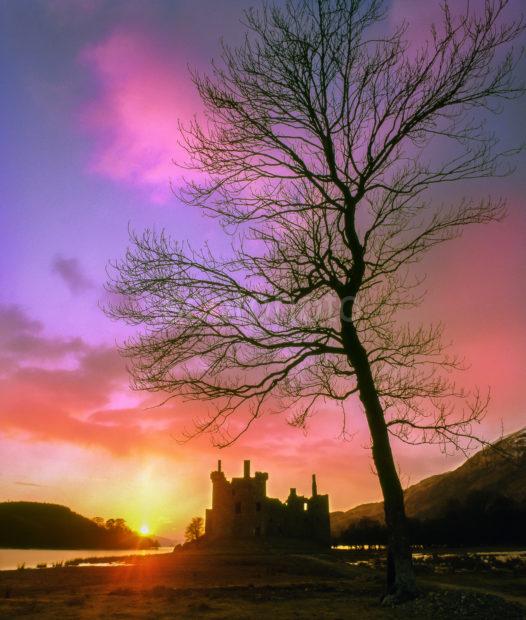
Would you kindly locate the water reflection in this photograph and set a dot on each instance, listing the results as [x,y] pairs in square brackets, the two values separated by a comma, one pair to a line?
[11,559]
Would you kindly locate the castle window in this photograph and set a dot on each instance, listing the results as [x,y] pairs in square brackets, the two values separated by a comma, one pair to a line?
[305,506]
[238,508]
[258,506]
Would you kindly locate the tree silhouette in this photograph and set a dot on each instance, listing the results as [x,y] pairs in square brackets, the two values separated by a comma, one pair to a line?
[194,530]
[316,158]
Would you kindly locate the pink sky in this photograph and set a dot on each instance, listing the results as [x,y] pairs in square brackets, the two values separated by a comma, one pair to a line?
[98,118]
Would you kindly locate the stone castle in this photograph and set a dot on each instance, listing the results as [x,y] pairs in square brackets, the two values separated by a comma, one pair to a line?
[241,509]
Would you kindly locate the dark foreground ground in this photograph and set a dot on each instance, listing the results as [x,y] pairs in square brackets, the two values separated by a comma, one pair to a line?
[197,584]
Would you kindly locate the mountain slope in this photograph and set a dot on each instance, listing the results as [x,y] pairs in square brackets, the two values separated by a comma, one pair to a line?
[40,526]
[498,469]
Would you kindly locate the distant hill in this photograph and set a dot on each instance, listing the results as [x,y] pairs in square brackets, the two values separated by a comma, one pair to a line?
[493,476]
[51,526]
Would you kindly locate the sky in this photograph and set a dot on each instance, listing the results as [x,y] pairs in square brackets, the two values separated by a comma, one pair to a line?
[92,91]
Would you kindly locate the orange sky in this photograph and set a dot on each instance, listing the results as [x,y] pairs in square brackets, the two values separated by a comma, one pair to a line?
[91,130]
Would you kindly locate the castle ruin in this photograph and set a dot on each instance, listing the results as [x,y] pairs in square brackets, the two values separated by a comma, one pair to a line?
[241,509]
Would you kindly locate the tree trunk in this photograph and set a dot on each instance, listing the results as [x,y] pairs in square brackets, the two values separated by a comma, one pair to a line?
[401,584]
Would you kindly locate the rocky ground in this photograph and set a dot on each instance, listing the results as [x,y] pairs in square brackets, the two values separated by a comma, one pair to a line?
[235,586]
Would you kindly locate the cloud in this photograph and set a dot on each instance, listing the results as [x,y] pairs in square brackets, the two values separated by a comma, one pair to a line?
[14,320]
[54,389]
[143,92]
[54,404]
[48,385]
[64,392]
[22,340]
[70,270]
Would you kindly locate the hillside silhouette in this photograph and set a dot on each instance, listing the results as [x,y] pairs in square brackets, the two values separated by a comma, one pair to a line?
[52,526]
[481,502]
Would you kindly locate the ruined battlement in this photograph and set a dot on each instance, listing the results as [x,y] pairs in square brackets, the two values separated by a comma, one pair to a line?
[241,509]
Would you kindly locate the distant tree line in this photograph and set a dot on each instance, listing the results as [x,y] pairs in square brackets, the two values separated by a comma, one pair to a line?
[39,525]
[118,531]
[482,518]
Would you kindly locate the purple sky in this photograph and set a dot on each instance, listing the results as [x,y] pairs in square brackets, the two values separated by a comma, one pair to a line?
[91,93]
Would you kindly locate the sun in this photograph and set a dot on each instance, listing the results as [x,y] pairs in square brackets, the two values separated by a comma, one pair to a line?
[144,530]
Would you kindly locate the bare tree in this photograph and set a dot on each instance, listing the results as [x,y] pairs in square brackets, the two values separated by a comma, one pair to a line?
[316,156]
[194,530]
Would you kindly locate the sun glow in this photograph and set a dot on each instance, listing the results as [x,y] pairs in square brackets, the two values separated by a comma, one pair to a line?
[144,530]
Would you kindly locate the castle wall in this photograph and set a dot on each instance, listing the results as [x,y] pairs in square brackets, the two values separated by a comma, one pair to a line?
[241,509]
[247,507]
[319,522]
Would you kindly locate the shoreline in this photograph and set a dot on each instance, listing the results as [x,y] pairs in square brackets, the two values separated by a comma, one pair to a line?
[113,557]
[192,584]
[29,558]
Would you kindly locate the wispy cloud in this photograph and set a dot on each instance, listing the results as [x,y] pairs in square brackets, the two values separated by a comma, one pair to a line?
[22,340]
[71,272]
[54,389]
[74,399]
[143,93]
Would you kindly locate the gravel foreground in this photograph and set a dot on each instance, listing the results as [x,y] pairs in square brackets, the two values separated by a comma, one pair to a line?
[231,587]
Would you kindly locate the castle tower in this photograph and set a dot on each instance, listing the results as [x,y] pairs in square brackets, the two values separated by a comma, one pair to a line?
[241,509]
[319,520]
[215,521]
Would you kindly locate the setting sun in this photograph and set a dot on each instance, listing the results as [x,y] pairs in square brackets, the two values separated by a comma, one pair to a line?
[144,530]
